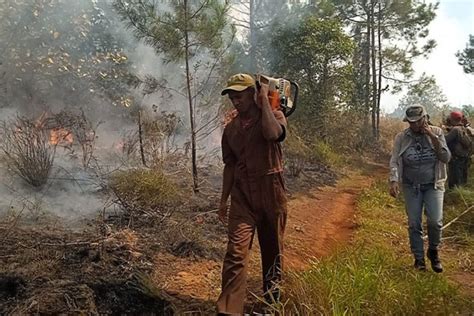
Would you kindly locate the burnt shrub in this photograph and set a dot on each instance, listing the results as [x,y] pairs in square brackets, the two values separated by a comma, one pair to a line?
[27,150]
[297,154]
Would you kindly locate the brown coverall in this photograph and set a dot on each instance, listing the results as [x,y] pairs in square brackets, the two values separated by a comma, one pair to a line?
[258,200]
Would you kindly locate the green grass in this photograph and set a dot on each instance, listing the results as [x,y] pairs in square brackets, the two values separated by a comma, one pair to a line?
[296,148]
[374,275]
[143,190]
[462,230]
[323,152]
[461,233]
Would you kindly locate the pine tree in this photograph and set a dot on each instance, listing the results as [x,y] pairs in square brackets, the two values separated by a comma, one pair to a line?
[182,31]
[466,57]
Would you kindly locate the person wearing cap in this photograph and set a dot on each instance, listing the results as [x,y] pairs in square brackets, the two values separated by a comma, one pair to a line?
[459,142]
[252,155]
[418,162]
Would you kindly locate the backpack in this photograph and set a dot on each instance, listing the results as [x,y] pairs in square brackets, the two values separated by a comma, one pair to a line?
[466,139]
[470,134]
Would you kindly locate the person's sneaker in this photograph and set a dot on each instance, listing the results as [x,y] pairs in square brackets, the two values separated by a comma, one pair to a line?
[420,264]
[435,262]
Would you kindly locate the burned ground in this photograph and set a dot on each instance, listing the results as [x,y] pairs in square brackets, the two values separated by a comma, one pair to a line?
[112,264]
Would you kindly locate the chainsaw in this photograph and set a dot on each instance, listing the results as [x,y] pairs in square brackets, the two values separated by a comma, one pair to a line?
[282,93]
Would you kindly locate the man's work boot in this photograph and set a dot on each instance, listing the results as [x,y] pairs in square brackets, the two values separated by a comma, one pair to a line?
[420,264]
[432,254]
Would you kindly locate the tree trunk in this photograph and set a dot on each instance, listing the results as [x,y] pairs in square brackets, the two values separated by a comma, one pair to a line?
[380,57]
[324,112]
[373,57]
[367,65]
[140,137]
[252,37]
[190,102]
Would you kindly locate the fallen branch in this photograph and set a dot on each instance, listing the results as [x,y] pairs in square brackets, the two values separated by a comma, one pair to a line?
[205,213]
[80,243]
[455,219]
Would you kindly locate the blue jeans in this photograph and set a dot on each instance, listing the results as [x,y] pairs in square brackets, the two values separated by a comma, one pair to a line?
[415,198]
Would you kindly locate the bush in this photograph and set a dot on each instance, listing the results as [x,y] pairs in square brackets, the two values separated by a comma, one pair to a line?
[157,139]
[144,191]
[27,150]
[297,153]
[301,151]
[323,152]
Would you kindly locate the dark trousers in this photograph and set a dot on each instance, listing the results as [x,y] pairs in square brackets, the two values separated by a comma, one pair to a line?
[249,212]
[458,171]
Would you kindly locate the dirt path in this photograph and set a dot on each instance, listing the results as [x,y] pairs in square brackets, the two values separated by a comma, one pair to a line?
[319,221]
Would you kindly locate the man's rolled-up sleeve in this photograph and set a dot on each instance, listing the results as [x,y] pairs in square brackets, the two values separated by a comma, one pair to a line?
[227,155]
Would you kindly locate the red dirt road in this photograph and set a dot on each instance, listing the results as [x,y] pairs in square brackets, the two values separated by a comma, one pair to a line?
[319,221]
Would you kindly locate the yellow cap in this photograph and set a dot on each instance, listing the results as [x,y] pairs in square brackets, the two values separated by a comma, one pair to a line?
[238,82]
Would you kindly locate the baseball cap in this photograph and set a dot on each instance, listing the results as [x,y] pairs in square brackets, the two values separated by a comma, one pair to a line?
[238,82]
[414,113]
[456,115]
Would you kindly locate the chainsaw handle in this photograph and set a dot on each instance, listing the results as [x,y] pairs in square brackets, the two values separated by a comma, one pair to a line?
[295,99]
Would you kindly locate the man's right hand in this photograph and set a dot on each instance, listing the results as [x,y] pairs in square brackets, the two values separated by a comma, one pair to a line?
[394,189]
[222,213]
[262,96]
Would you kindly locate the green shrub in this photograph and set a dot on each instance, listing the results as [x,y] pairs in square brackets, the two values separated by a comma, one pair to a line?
[323,152]
[143,191]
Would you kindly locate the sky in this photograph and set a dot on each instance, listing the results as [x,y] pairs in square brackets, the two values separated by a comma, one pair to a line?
[451,28]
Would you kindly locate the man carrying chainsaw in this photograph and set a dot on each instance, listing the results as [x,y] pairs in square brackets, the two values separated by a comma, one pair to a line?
[252,154]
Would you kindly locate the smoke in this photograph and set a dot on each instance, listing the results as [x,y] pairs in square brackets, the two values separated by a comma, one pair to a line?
[171,96]
[69,194]
[78,56]
[56,56]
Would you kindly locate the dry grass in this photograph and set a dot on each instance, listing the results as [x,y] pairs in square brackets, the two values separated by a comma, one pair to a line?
[389,129]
